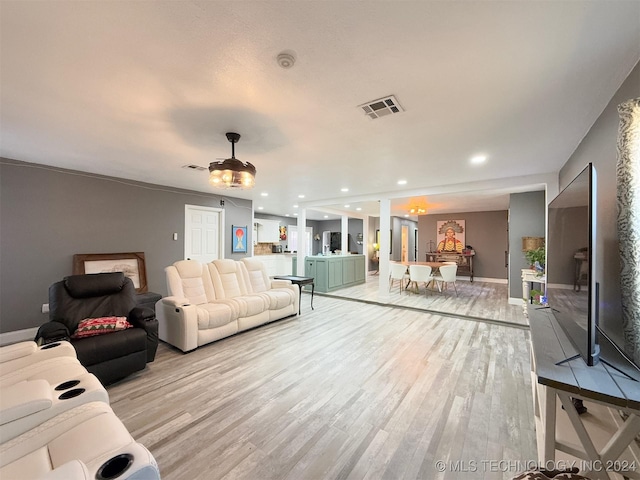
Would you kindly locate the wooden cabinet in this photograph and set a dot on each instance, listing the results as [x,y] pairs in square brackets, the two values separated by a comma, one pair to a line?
[464,261]
[333,272]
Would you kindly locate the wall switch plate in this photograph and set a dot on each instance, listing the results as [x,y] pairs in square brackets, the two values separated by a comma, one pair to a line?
[175,236]
[45,308]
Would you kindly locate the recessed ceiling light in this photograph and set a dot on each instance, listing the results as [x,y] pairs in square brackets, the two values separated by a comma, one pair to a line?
[359,208]
[347,206]
[260,208]
[478,159]
[326,216]
[295,206]
[264,194]
[287,215]
[295,214]
[402,182]
[300,196]
[344,189]
[406,214]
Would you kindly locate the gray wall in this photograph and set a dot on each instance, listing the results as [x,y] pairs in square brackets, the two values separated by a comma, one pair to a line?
[396,246]
[47,215]
[599,148]
[486,233]
[527,218]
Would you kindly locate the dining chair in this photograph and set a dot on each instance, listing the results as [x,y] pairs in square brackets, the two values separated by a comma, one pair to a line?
[398,273]
[446,274]
[420,273]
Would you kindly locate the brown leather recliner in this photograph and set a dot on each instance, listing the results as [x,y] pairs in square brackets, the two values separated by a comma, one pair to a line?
[111,356]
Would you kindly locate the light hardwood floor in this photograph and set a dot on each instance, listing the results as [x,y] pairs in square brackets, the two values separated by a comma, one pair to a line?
[483,300]
[349,390]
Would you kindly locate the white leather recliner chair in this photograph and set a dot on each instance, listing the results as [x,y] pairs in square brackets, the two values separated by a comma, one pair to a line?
[56,422]
[86,442]
[38,383]
[23,354]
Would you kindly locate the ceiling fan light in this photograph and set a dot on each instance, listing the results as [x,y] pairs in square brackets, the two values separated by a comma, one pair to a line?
[232,173]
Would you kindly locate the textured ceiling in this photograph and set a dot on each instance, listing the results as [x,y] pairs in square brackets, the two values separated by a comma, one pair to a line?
[139,89]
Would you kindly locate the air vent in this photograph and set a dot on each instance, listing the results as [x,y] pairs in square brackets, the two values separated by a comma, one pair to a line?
[381,107]
[194,167]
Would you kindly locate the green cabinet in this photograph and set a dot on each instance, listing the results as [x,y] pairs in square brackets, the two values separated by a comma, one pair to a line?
[334,271]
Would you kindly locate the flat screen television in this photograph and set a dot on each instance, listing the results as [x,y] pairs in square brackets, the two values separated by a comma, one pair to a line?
[572,291]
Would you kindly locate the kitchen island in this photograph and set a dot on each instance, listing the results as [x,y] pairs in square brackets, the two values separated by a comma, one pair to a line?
[332,272]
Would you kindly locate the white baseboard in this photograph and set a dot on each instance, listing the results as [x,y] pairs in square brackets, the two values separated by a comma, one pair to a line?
[8,338]
[482,279]
[516,301]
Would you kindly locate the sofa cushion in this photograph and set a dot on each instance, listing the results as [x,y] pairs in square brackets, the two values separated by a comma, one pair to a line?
[252,304]
[102,348]
[212,315]
[190,279]
[279,298]
[227,278]
[256,275]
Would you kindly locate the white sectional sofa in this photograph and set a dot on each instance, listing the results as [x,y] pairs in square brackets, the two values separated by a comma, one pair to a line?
[211,301]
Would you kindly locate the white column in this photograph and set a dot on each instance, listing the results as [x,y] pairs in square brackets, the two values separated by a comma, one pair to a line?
[365,245]
[385,246]
[344,228]
[302,240]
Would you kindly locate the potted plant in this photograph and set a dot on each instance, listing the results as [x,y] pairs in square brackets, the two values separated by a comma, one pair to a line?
[538,297]
[536,255]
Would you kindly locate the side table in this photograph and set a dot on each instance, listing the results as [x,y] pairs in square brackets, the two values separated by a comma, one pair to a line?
[300,281]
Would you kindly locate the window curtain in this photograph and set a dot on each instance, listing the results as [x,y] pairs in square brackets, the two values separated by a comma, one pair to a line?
[628,203]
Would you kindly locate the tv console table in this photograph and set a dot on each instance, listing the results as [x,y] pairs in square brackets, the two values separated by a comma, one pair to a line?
[600,384]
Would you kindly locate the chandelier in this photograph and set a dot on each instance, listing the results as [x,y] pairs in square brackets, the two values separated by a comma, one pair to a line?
[417,210]
[232,173]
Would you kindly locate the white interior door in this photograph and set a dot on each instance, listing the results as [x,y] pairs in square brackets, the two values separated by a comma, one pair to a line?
[202,233]
[405,244]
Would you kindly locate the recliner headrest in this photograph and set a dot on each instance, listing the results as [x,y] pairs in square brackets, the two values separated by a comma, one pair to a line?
[94,284]
[188,268]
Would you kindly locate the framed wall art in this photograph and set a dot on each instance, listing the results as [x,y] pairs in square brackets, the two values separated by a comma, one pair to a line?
[131,264]
[451,236]
[238,239]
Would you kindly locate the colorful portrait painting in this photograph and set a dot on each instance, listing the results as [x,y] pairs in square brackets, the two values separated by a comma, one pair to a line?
[451,236]
[238,239]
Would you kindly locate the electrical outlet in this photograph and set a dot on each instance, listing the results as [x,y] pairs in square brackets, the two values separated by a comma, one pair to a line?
[45,308]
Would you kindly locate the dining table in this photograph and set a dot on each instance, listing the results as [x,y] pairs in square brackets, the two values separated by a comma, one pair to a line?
[434,267]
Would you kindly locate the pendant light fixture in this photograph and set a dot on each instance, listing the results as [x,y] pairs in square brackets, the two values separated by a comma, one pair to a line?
[232,173]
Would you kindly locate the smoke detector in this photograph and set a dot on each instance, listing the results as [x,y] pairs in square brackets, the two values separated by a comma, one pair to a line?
[382,107]
[286,59]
